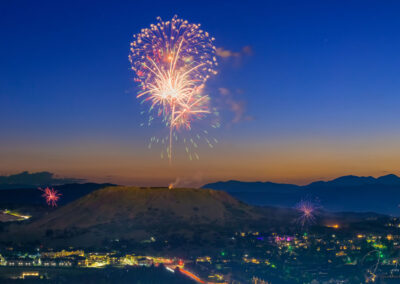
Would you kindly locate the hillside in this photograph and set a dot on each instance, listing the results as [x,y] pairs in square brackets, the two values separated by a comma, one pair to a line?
[144,205]
[160,219]
[136,214]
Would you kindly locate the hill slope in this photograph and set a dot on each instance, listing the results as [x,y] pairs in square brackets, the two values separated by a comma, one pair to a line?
[136,214]
[144,205]
[158,219]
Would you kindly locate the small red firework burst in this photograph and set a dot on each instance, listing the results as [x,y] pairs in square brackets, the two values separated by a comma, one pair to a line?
[51,195]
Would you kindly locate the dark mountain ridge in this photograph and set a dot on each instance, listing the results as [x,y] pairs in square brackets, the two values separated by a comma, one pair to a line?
[26,180]
[33,196]
[351,180]
[347,193]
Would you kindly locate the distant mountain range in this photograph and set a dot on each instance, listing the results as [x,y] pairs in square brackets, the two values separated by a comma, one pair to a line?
[26,179]
[347,193]
[15,197]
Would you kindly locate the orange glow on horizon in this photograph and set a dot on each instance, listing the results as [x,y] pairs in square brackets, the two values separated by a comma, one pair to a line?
[122,164]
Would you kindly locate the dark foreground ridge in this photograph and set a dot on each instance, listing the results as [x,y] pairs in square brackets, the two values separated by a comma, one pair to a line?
[209,232]
[138,214]
[159,218]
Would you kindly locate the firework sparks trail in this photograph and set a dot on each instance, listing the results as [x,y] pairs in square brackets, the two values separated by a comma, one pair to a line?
[172,61]
[307,211]
[51,195]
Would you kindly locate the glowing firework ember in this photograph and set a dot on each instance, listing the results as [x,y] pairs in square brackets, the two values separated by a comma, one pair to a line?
[51,195]
[307,211]
[172,61]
